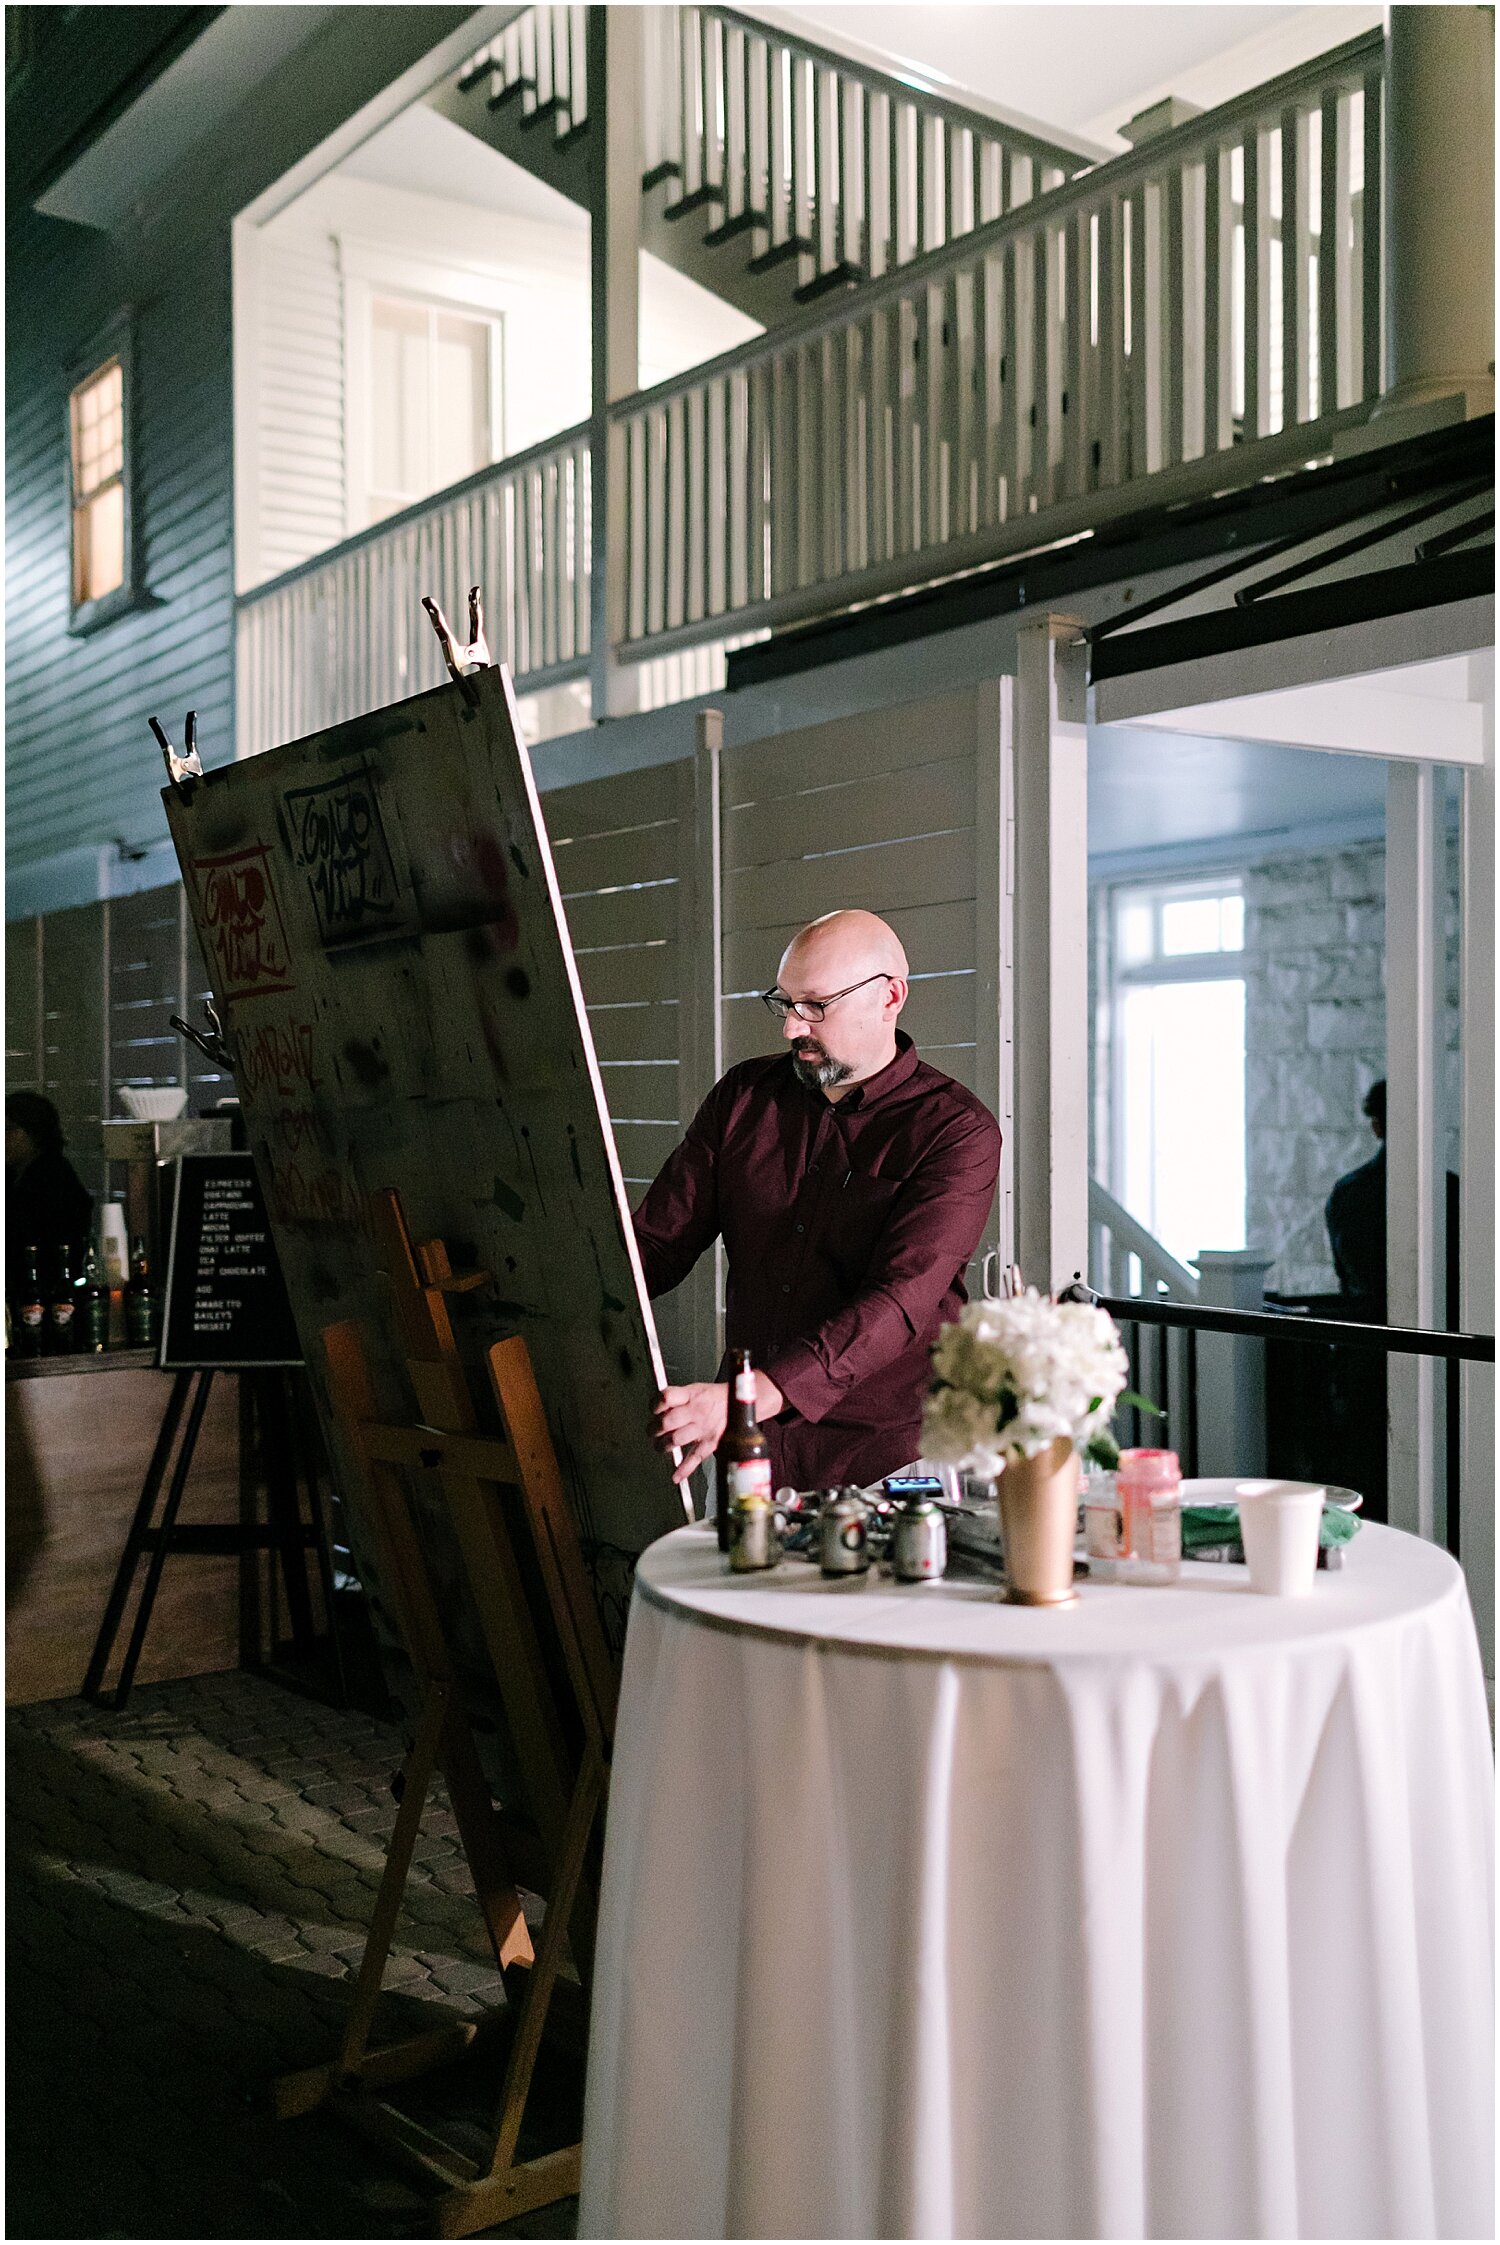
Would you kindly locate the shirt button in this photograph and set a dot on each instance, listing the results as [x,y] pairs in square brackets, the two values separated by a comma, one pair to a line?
[786,1290]
[802,1227]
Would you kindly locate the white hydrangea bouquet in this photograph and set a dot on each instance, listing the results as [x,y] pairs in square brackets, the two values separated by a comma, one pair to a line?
[1012,1377]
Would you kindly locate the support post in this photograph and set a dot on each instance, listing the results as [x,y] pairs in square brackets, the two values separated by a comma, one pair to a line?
[700,1009]
[614,39]
[1476,1538]
[1051,1024]
[1416,1010]
[1231,1372]
[1439,269]
[994,946]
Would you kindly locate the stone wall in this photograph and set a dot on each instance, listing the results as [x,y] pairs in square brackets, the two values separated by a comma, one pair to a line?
[1315,1038]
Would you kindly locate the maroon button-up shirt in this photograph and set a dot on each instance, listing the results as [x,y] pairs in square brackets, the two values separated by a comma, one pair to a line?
[847,1226]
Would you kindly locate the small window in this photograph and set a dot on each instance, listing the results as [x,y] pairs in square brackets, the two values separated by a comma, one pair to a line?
[97,418]
[432,400]
[1177,1062]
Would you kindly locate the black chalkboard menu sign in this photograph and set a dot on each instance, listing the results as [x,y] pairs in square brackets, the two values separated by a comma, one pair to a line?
[226,1303]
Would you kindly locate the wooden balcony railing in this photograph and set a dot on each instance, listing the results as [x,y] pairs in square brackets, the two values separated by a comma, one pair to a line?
[1106,344]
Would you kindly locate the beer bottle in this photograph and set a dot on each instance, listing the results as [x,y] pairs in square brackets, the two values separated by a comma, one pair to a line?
[92,1316]
[61,1303]
[31,1309]
[142,1322]
[742,1462]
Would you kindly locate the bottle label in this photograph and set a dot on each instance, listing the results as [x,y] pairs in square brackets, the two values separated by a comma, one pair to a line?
[744,1387]
[62,1313]
[750,1481]
[32,1315]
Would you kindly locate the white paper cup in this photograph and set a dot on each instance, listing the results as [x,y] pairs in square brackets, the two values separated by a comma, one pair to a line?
[1279,1522]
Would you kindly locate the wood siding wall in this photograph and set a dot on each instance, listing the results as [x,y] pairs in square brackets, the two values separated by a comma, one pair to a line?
[300,402]
[80,766]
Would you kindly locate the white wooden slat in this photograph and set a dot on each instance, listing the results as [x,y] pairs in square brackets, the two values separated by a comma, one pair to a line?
[863,747]
[629,916]
[612,803]
[634,1031]
[929,798]
[613,861]
[641,1090]
[630,973]
[935,936]
[934,870]
[643,1147]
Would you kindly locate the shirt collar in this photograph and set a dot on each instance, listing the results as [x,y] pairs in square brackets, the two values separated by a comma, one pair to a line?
[893,1074]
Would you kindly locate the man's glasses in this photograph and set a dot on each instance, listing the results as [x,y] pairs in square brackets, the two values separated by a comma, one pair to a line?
[813,1009]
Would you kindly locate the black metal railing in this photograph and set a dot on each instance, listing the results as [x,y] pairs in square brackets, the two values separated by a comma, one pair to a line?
[1160,1338]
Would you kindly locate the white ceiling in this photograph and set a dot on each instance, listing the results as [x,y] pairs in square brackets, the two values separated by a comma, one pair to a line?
[429,155]
[1084,68]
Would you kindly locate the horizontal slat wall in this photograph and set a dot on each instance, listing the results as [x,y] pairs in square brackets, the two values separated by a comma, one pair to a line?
[80,765]
[617,844]
[875,812]
[73,1057]
[88,996]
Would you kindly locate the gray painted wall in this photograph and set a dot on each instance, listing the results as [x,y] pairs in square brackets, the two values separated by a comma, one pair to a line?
[81,767]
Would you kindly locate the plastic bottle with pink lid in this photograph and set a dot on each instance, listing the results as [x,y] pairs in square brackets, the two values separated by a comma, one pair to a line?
[1149,1486]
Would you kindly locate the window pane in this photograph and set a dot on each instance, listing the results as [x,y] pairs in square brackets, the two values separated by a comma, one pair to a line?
[1183,1089]
[1232,924]
[102,528]
[461,417]
[1189,924]
[400,411]
[1134,943]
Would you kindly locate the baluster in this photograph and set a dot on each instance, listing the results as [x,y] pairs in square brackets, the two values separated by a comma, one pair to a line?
[895,167]
[877,393]
[1077,398]
[1218,322]
[796,71]
[578,484]
[933,306]
[1110,245]
[757,137]
[734,489]
[1296,339]
[778,186]
[1331,228]
[1257,287]
[711,37]
[632,622]
[921,227]
[1040,335]
[906,382]
[1008,363]
[1173,288]
[965,288]
[848,227]
[1371,220]
[690,59]
[988,345]
[872,258]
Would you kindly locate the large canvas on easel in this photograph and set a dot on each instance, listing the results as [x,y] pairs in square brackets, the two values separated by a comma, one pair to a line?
[389,956]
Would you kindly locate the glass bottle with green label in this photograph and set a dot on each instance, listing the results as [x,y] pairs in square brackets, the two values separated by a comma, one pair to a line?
[142,1308]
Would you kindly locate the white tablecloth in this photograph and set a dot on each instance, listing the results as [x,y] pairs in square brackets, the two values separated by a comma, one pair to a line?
[927,1916]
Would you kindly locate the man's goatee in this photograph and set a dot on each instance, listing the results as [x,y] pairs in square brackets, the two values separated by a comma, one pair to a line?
[821,1075]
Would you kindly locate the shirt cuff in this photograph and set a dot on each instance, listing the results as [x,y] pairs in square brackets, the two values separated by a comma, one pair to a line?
[804,1382]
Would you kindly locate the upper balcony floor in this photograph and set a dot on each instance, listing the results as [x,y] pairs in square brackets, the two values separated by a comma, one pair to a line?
[671,328]
[861,335]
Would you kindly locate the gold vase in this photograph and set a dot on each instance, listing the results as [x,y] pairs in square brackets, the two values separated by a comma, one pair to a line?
[1039,1524]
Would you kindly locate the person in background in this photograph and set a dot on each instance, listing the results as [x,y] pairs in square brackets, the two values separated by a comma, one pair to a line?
[1355,1216]
[47,1205]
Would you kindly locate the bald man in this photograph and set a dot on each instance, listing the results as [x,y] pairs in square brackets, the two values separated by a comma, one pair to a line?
[850,1183]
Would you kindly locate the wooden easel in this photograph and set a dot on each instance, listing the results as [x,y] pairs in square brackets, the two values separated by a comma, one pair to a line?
[493,1484]
[267,1392]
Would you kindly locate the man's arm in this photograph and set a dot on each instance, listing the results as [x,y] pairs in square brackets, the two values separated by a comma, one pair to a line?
[935,1224]
[679,1216]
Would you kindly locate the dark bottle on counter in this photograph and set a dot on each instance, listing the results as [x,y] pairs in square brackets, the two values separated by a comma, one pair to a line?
[29,1327]
[742,1462]
[62,1302]
[91,1318]
[142,1309]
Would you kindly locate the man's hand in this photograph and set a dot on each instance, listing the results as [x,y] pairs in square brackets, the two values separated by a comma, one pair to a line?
[692,1419]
